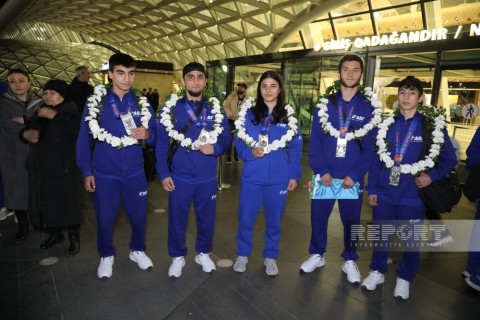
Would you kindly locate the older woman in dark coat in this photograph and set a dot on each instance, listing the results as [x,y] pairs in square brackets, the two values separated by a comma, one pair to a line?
[17,105]
[56,181]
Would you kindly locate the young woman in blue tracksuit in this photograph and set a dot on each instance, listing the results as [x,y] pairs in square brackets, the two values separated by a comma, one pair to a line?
[472,271]
[267,173]
[395,196]
[190,174]
[352,111]
[115,172]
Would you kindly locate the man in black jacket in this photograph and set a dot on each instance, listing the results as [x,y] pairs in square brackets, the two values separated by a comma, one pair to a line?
[80,87]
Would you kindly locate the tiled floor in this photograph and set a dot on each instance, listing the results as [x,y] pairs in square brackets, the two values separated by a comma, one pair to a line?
[70,289]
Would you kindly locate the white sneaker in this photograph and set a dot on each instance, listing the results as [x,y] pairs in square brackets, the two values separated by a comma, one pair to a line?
[315,261]
[444,239]
[204,260]
[351,269]
[402,289]
[141,259]
[240,264]
[175,270]
[271,268]
[5,213]
[374,278]
[105,267]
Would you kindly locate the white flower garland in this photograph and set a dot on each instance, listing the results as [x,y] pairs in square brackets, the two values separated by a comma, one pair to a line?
[94,112]
[166,120]
[420,166]
[359,133]
[274,145]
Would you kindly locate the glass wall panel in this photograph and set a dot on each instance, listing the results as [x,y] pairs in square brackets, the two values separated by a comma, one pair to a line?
[217,81]
[305,80]
[391,69]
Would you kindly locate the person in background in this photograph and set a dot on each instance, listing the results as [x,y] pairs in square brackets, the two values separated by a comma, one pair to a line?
[80,88]
[17,106]
[155,100]
[55,181]
[114,170]
[187,166]
[341,147]
[393,186]
[268,173]
[231,104]
[4,211]
[472,271]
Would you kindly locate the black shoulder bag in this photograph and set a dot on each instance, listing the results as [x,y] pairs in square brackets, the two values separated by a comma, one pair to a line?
[442,195]
[471,189]
[175,144]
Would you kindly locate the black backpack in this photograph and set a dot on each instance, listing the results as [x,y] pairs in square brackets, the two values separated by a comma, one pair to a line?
[442,195]
[471,190]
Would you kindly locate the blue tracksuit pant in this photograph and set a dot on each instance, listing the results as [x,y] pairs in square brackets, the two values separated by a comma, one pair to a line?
[132,191]
[274,198]
[204,196]
[408,216]
[349,214]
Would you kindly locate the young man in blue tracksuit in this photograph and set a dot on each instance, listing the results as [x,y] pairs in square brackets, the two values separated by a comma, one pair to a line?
[394,191]
[267,175]
[472,271]
[111,159]
[348,111]
[199,134]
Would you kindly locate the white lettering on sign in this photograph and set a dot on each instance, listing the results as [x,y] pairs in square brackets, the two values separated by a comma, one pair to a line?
[396,38]
[474,30]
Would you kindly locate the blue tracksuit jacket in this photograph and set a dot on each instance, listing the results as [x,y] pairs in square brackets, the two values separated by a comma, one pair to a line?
[107,160]
[276,167]
[407,192]
[190,166]
[323,146]
[473,151]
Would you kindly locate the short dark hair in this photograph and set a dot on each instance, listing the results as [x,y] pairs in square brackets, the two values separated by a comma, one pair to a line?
[242,84]
[193,66]
[16,70]
[410,82]
[120,59]
[350,57]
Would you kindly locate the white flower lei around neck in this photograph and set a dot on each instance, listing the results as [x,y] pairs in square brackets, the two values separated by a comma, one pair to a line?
[359,133]
[167,115]
[432,115]
[274,145]
[95,107]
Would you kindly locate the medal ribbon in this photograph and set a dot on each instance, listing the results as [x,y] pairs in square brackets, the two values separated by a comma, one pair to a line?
[400,150]
[344,123]
[266,123]
[113,105]
[192,115]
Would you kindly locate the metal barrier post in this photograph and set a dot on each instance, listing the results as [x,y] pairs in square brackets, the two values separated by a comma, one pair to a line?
[221,186]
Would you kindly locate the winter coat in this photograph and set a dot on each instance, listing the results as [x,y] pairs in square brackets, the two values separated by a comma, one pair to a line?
[13,152]
[55,180]
[80,92]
